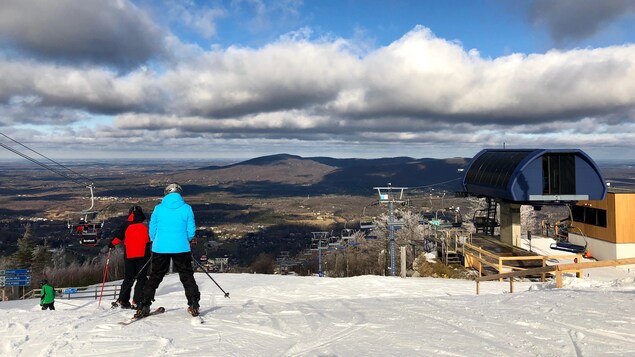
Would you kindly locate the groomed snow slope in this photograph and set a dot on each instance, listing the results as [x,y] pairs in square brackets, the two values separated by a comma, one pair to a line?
[271,315]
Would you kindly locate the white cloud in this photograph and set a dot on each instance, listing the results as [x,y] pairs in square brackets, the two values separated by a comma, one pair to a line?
[419,89]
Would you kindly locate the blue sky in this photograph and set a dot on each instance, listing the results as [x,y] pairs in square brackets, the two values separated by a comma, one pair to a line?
[350,78]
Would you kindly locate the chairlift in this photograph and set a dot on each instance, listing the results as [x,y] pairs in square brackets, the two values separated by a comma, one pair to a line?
[89,233]
[366,223]
[562,228]
[89,240]
[371,235]
[87,227]
[332,240]
[346,233]
[320,241]
[569,247]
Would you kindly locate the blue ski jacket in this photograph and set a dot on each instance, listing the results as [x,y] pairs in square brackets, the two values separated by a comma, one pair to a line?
[172,225]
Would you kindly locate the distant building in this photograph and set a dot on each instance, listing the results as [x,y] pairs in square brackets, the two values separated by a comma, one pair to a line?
[606,227]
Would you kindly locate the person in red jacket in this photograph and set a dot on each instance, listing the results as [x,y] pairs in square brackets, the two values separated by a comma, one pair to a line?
[136,241]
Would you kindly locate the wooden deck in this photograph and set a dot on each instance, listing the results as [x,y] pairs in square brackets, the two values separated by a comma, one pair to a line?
[498,249]
[490,256]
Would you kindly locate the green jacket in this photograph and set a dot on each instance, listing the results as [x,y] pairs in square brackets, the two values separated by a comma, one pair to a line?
[47,295]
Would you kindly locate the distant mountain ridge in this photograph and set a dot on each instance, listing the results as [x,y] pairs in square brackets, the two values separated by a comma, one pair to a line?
[292,174]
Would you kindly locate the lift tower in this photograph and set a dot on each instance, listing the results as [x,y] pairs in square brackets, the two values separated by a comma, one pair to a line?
[391,195]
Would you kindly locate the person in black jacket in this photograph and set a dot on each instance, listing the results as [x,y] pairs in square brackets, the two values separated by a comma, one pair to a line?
[136,241]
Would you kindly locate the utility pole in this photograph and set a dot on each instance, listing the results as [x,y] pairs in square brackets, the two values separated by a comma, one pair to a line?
[391,195]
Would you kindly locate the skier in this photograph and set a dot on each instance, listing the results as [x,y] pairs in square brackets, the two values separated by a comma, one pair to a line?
[47,295]
[136,241]
[172,229]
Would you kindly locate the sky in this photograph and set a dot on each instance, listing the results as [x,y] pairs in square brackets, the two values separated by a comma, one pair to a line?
[339,78]
[274,315]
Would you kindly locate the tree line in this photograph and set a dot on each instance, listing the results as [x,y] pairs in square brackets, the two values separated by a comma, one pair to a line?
[56,267]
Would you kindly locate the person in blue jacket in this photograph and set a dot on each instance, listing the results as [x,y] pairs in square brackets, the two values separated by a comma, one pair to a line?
[172,229]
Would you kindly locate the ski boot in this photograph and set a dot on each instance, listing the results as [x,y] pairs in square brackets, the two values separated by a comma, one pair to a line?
[125,305]
[193,309]
[143,310]
[122,304]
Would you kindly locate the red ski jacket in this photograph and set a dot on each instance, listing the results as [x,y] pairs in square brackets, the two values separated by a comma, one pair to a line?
[134,235]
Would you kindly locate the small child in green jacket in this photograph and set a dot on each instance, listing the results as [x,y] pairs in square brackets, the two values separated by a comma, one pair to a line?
[47,296]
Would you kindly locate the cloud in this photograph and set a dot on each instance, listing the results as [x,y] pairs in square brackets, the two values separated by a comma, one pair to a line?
[418,90]
[28,110]
[572,20]
[114,33]
[419,78]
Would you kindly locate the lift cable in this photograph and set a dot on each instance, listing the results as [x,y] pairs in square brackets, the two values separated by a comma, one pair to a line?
[89,231]
[56,170]
[436,184]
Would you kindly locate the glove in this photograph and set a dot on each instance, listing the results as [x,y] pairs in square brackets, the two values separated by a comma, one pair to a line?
[110,245]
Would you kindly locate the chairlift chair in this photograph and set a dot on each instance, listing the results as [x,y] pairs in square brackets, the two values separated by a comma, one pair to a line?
[569,247]
[371,235]
[89,233]
[347,233]
[334,240]
[87,228]
[366,223]
[88,240]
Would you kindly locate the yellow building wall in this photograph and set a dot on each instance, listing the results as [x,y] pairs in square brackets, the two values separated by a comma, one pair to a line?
[620,218]
[625,217]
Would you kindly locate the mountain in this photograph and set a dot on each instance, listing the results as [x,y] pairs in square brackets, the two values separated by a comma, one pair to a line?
[285,174]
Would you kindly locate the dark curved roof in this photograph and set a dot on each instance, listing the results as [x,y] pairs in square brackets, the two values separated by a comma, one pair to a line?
[534,175]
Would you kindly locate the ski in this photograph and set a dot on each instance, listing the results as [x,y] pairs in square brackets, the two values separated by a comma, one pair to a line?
[158,310]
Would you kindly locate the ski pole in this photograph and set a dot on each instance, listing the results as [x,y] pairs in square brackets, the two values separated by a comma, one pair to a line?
[103,282]
[205,271]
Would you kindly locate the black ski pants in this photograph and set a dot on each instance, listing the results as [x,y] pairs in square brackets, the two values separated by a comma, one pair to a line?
[161,265]
[133,269]
[48,306]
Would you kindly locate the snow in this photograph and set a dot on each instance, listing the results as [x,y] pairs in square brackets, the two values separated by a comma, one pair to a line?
[273,315]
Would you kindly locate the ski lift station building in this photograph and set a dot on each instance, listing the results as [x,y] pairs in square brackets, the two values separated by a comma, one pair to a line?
[537,177]
[606,226]
[534,176]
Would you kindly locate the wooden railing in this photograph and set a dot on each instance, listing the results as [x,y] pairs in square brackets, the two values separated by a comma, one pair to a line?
[476,257]
[79,292]
[558,270]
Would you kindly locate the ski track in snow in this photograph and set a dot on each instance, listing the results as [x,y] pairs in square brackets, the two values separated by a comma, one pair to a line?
[361,316]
